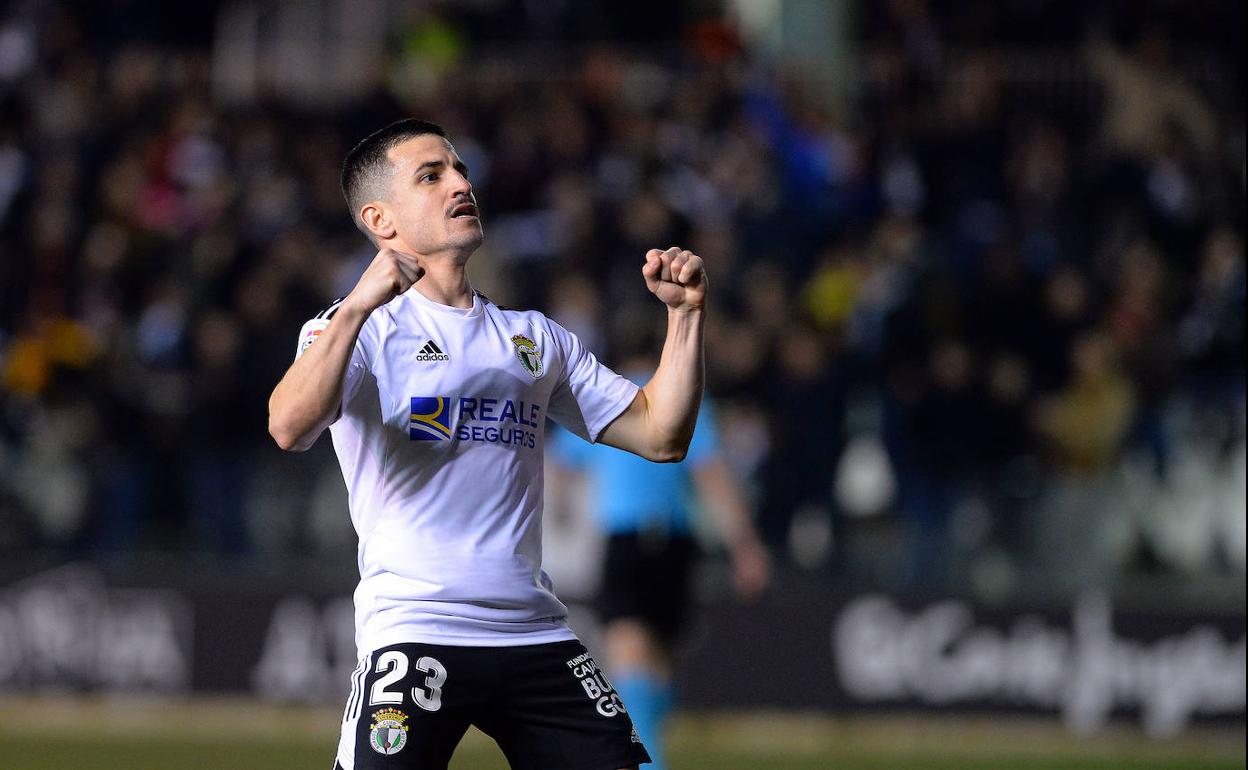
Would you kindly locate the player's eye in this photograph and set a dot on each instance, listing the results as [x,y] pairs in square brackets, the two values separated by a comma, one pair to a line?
[430,177]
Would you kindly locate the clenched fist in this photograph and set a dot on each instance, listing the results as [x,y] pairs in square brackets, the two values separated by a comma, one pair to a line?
[677,277]
[389,274]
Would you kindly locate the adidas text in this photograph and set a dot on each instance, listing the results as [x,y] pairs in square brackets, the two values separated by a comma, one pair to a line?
[431,352]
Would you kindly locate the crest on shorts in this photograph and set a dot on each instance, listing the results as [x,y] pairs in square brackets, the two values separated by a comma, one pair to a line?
[529,355]
[388,732]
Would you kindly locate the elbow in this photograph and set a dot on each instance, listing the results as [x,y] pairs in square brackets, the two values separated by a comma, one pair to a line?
[669,453]
[288,427]
[671,448]
[287,442]
[672,456]
[287,439]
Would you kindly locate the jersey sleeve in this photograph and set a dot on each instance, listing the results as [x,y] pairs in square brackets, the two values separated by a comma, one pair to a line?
[588,395]
[361,355]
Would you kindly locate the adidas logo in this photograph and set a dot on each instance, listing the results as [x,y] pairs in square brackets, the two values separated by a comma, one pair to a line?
[431,352]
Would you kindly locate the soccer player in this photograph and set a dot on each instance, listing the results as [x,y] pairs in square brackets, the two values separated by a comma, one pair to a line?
[645,510]
[436,400]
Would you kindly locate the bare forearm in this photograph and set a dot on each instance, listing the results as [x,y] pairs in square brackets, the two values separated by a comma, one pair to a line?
[309,396]
[674,393]
[658,425]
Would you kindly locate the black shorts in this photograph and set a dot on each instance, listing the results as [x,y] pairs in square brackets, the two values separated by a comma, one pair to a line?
[647,577]
[548,706]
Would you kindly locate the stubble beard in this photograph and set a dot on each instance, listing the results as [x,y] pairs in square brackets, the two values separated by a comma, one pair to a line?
[463,245]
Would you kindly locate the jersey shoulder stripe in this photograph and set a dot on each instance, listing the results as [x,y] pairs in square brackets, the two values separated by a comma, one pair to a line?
[328,312]
[488,301]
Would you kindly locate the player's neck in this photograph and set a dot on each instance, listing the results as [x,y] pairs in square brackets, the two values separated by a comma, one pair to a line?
[445,282]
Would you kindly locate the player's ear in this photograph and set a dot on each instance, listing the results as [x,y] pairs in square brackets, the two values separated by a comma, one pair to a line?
[378,219]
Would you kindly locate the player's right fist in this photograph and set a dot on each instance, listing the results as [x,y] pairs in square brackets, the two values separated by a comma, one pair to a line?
[389,274]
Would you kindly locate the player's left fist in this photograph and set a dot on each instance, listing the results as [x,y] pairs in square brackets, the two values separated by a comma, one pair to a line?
[677,277]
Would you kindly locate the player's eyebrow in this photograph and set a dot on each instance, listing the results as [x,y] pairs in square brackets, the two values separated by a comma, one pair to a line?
[460,166]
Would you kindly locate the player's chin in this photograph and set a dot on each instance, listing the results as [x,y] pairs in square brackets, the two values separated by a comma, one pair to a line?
[467,234]
[466,223]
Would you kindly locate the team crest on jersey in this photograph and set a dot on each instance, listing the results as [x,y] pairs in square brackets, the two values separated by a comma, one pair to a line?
[529,355]
[430,419]
[388,732]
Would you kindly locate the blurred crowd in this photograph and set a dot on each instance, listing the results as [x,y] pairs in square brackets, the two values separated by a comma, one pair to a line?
[978,319]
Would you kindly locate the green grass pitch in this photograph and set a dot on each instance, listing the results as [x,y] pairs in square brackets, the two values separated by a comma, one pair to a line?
[209,734]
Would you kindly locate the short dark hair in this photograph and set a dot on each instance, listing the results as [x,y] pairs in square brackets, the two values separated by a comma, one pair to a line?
[364,172]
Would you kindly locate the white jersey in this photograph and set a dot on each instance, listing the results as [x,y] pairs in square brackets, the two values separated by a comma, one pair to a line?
[440,442]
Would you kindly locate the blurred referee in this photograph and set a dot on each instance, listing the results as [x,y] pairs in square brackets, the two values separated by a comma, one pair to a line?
[647,512]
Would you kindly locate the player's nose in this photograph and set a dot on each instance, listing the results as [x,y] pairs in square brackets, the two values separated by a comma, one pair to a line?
[460,186]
